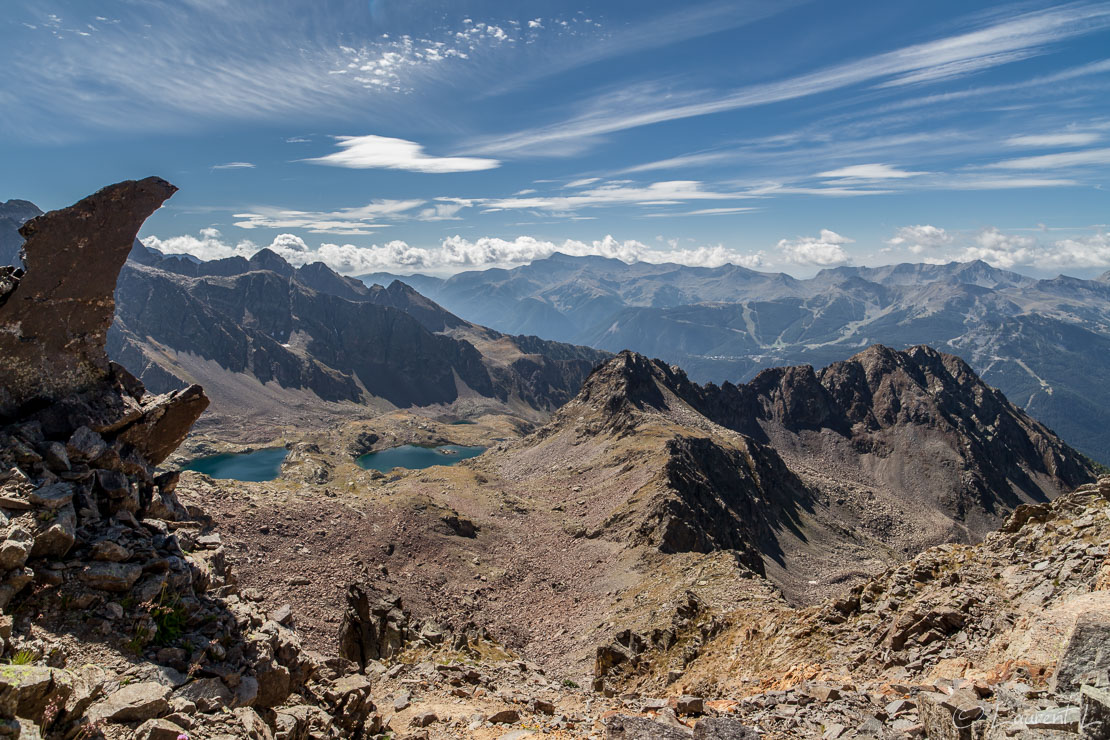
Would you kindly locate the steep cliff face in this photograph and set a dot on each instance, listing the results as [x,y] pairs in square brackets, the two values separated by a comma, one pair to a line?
[46,355]
[904,418]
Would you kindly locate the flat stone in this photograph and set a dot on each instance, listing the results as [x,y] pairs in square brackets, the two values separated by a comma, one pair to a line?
[899,706]
[956,717]
[55,457]
[1063,719]
[85,445]
[54,496]
[110,552]
[723,728]
[57,535]
[424,719]
[27,690]
[115,577]
[689,705]
[1086,658]
[624,727]
[504,717]
[158,729]
[1094,712]
[246,693]
[14,503]
[823,694]
[209,694]
[283,614]
[209,541]
[14,552]
[135,702]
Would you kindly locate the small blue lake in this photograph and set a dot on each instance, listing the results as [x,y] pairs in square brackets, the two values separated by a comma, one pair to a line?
[415,458]
[260,465]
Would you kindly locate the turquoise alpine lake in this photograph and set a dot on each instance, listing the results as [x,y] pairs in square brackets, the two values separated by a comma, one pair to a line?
[414,458]
[257,466]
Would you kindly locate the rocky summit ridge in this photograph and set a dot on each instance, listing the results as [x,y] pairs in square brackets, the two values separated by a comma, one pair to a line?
[884,454]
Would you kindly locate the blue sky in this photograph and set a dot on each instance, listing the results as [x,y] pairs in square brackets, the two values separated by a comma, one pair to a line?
[437,136]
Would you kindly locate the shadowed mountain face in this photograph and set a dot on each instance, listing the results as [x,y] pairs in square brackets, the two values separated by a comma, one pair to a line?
[255,331]
[806,472]
[1045,343]
[312,330]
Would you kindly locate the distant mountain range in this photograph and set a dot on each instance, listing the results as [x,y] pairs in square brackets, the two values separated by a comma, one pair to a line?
[1044,343]
[264,337]
[311,329]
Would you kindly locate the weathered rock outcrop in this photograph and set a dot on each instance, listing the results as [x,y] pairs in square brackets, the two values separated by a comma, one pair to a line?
[373,628]
[54,320]
[93,539]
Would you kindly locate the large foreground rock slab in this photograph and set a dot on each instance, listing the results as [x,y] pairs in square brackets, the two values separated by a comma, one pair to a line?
[54,321]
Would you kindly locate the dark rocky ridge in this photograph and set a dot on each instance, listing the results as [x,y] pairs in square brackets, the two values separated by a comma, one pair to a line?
[913,432]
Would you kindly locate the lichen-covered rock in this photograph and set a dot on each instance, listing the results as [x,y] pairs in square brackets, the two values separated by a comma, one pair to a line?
[26,691]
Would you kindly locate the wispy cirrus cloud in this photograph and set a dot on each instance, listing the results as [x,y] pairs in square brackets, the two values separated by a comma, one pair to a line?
[1059,160]
[361,220]
[382,152]
[1054,140]
[279,60]
[234,166]
[995,44]
[671,192]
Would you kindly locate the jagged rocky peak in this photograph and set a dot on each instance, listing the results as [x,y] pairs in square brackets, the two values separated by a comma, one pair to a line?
[894,436]
[632,381]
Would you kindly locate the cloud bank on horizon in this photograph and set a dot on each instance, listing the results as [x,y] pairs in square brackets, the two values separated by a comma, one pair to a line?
[445,136]
[929,244]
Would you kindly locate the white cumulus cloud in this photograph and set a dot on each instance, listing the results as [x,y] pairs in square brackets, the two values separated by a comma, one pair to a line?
[921,238]
[452,254]
[824,250]
[1001,249]
[383,152]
